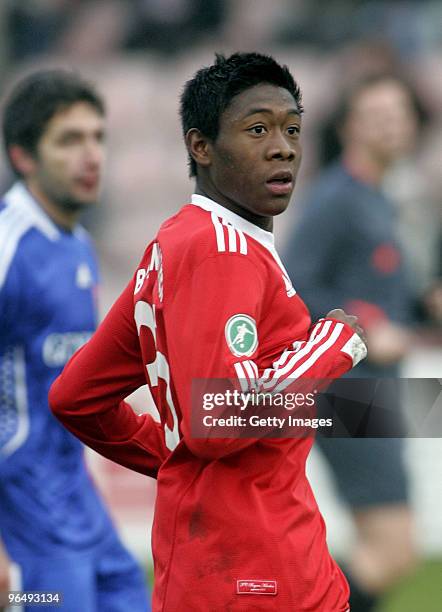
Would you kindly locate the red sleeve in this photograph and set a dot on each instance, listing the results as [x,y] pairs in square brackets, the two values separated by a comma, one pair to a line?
[331,349]
[221,287]
[88,396]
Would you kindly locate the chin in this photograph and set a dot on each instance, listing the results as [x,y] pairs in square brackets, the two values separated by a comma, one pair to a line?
[278,206]
[77,204]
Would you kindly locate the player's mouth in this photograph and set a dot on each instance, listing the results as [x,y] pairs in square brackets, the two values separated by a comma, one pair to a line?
[88,182]
[280,183]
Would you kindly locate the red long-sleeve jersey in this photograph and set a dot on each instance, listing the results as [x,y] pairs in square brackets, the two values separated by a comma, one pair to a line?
[236,524]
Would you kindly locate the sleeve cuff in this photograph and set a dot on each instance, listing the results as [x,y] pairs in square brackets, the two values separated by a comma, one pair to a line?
[356,349]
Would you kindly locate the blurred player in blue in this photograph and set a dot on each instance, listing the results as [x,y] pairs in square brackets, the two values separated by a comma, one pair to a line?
[56,534]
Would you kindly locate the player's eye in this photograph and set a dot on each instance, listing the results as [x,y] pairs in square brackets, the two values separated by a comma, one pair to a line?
[294,130]
[257,129]
[69,139]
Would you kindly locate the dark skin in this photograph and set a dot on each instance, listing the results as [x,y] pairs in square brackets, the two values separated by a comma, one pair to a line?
[258,137]
[252,165]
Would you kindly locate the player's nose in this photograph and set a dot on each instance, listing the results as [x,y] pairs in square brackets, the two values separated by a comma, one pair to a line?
[280,147]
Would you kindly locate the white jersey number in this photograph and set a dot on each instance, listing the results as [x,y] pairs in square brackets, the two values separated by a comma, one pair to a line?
[158,368]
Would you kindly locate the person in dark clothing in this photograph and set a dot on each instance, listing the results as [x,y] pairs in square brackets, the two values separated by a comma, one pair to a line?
[344,251]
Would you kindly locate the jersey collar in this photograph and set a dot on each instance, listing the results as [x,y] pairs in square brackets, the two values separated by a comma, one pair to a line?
[265,238]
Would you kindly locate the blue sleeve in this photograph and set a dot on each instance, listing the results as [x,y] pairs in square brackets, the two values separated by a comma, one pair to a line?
[315,250]
[11,305]
[11,315]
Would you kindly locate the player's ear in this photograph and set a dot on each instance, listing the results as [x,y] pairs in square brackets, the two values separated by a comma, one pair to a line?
[22,160]
[199,147]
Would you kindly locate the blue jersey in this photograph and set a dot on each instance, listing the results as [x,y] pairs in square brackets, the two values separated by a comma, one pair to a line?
[48,280]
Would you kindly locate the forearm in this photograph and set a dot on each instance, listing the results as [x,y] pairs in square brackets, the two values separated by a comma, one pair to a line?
[331,349]
[136,442]
[88,397]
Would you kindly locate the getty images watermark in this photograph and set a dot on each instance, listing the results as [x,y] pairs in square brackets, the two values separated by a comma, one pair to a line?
[345,408]
[257,410]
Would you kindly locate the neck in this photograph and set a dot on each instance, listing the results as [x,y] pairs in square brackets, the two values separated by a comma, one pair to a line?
[64,218]
[364,166]
[265,223]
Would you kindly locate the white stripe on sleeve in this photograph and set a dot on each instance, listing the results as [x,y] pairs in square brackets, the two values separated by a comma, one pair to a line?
[308,363]
[243,380]
[299,355]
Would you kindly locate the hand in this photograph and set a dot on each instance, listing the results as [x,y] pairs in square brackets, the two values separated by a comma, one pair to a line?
[351,320]
[5,564]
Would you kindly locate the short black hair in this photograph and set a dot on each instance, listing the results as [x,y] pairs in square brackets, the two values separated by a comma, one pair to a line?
[36,99]
[207,95]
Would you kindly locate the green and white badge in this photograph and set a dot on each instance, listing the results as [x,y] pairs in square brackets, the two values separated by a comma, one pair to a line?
[241,335]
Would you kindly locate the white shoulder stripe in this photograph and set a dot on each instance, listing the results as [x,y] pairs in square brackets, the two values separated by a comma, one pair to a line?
[220,242]
[7,216]
[232,237]
[242,242]
[18,197]
[236,239]
[233,234]
[13,225]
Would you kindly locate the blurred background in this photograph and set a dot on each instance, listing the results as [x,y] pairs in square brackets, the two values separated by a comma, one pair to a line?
[139,53]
